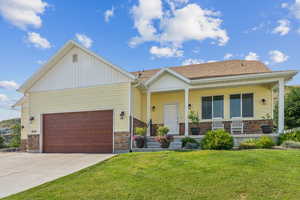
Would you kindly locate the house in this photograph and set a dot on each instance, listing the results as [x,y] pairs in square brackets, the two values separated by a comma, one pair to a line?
[79,102]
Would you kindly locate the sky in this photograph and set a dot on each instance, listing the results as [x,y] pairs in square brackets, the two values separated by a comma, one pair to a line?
[144,34]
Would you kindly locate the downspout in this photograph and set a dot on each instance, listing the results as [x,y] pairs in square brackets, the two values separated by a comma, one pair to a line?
[131,116]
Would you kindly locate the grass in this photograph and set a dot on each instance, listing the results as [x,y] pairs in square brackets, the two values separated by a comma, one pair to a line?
[244,175]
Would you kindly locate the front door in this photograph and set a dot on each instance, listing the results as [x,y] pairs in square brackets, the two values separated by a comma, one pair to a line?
[171,118]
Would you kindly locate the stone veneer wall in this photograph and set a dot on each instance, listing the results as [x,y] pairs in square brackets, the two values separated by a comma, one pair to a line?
[23,146]
[250,127]
[122,142]
[33,143]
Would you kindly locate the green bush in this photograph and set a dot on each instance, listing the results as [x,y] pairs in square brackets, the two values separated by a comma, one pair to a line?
[186,140]
[291,144]
[292,136]
[217,140]
[263,142]
[141,131]
[2,145]
[162,131]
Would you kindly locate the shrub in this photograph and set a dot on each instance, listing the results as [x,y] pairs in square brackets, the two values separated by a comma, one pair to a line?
[2,145]
[217,140]
[193,117]
[140,131]
[249,144]
[186,140]
[263,142]
[162,131]
[16,140]
[291,144]
[292,136]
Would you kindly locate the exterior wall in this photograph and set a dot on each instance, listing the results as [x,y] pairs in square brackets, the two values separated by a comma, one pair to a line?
[137,103]
[121,142]
[115,96]
[259,91]
[25,119]
[87,71]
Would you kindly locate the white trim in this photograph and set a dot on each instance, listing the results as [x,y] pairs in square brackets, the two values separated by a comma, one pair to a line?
[131,110]
[186,112]
[41,135]
[168,70]
[148,104]
[275,74]
[62,51]
[281,96]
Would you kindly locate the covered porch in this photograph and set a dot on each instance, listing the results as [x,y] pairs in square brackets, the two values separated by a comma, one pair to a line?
[251,102]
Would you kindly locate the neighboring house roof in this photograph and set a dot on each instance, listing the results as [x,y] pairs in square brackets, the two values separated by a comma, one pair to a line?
[60,54]
[209,70]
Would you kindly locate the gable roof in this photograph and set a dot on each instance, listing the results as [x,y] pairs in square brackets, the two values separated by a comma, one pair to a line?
[166,70]
[209,70]
[59,55]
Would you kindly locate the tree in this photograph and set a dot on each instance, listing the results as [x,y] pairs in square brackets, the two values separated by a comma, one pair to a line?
[291,109]
[16,140]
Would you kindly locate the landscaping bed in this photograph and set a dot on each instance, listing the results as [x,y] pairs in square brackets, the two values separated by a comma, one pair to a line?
[247,174]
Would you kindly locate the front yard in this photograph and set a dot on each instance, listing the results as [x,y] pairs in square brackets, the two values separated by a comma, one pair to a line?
[253,174]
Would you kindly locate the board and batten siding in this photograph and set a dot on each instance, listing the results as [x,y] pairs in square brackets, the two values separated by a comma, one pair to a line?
[105,97]
[85,72]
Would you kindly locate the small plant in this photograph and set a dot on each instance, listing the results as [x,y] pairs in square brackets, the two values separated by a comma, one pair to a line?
[187,140]
[163,138]
[217,140]
[139,137]
[263,142]
[194,118]
[292,136]
[291,144]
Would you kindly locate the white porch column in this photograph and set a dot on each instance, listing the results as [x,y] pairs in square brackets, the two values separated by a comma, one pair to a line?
[186,112]
[148,111]
[281,105]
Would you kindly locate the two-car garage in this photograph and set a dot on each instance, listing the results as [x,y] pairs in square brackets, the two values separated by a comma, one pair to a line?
[78,132]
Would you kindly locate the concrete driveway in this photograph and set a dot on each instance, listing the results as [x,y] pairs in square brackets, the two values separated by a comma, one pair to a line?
[21,171]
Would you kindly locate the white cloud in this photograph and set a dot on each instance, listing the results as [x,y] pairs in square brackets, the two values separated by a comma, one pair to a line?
[283,28]
[41,62]
[108,14]
[251,56]
[277,56]
[295,9]
[38,41]
[284,5]
[191,61]
[165,52]
[23,13]
[3,98]
[228,56]
[172,27]
[8,85]
[143,15]
[84,40]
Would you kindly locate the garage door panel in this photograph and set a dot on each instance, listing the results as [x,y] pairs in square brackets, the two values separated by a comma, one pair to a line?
[81,132]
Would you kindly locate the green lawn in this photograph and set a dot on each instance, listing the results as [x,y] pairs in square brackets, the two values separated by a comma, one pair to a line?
[255,174]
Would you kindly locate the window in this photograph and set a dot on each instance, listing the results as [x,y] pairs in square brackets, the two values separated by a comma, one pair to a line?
[212,107]
[75,58]
[241,105]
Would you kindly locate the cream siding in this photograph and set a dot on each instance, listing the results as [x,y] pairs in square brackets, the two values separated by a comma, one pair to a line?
[114,96]
[137,103]
[25,118]
[87,71]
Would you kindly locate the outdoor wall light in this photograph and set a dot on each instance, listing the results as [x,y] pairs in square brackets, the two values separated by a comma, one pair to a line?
[22,127]
[263,101]
[31,118]
[153,108]
[190,106]
[122,115]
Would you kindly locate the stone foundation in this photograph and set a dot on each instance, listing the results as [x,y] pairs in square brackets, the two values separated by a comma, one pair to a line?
[33,143]
[122,142]
[250,127]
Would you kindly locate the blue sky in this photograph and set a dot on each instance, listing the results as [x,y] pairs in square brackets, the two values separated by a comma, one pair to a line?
[144,34]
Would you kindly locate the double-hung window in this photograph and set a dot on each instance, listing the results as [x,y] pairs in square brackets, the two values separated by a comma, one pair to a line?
[241,105]
[212,107]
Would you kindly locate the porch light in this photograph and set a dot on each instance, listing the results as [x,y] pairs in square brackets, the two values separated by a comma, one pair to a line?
[122,115]
[263,101]
[190,106]
[31,118]
[153,108]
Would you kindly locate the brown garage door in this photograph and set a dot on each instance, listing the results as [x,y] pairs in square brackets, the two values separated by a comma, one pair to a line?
[78,132]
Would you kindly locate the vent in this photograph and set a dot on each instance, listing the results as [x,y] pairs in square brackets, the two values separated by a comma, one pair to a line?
[75,58]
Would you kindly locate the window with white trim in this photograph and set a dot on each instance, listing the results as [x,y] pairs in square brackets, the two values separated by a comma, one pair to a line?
[241,105]
[212,107]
